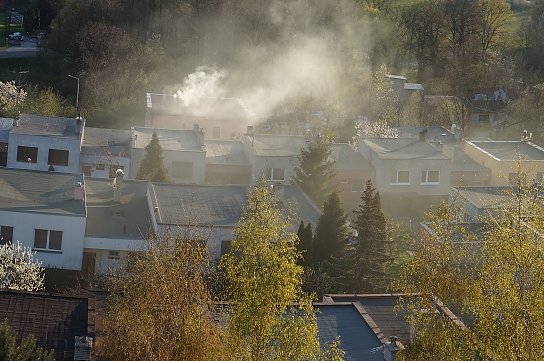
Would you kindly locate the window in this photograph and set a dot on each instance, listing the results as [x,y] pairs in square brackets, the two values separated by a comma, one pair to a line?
[86,170]
[357,185]
[27,154]
[58,157]
[401,177]
[100,167]
[114,255]
[467,218]
[275,174]
[45,239]
[182,170]
[6,234]
[113,169]
[483,118]
[430,177]
[513,178]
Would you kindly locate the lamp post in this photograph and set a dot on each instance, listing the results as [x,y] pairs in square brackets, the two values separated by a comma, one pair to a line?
[77,94]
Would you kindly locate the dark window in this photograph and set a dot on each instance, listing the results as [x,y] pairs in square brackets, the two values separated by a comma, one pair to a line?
[483,118]
[26,153]
[86,170]
[6,234]
[113,169]
[100,167]
[55,240]
[40,238]
[58,157]
[114,255]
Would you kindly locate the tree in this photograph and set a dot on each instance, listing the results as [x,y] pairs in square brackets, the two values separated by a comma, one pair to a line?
[18,269]
[269,317]
[27,350]
[315,172]
[494,277]
[370,251]
[11,97]
[48,102]
[378,129]
[305,244]
[160,307]
[331,234]
[152,166]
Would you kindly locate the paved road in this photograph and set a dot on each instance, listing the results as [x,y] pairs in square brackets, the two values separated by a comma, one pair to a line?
[27,48]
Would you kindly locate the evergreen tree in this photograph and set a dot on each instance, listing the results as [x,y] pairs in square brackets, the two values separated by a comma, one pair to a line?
[27,350]
[331,234]
[152,166]
[370,253]
[305,244]
[315,173]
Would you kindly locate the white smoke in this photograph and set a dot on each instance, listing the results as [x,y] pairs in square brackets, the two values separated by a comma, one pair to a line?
[205,82]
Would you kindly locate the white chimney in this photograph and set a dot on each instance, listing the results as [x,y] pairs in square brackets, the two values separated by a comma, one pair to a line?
[79,192]
[118,185]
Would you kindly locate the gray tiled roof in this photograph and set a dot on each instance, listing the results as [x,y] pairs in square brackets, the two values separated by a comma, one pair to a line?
[53,320]
[43,125]
[511,150]
[39,192]
[128,219]
[399,148]
[217,205]
[169,139]
[357,339]
[225,152]
[348,158]
[278,145]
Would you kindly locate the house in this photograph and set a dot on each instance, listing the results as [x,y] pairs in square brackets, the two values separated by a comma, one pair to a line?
[183,152]
[220,118]
[226,163]
[45,143]
[464,170]
[273,157]
[507,159]
[46,212]
[5,126]
[119,221]
[211,213]
[477,204]
[103,151]
[410,174]
[53,320]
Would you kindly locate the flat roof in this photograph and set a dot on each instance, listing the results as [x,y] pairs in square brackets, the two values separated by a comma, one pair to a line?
[401,148]
[229,152]
[277,145]
[40,192]
[30,124]
[487,196]
[169,139]
[510,150]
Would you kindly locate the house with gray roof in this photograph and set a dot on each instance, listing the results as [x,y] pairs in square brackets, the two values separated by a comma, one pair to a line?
[183,151]
[227,162]
[46,212]
[211,213]
[103,151]
[477,204]
[42,143]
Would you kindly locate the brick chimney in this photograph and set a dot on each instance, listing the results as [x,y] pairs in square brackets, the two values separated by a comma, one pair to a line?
[118,185]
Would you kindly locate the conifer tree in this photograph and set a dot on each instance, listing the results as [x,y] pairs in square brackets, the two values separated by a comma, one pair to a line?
[27,350]
[370,253]
[305,244]
[152,166]
[331,234]
[315,172]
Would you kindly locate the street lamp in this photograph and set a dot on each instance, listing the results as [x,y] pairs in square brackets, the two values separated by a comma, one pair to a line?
[77,94]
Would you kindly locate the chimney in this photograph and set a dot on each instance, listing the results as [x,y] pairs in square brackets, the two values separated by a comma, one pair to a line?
[118,185]
[79,192]
[391,348]
[199,134]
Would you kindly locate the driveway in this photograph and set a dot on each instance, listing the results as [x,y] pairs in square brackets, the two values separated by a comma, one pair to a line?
[27,48]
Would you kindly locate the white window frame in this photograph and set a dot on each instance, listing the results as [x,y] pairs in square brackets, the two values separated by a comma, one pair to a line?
[272,179]
[396,182]
[48,241]
[113,254]
[426,171]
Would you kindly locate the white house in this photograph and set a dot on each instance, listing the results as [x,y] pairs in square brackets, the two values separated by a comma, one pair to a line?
[104,151]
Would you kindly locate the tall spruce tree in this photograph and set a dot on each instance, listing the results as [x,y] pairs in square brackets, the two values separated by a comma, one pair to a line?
[370,253]
[152,166]
[315,173]
[305,245]
[331,234]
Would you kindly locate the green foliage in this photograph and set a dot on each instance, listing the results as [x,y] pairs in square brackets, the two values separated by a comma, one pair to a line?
[270,318]
[152,166]
[48,102]
[27,350]
[305,244]
[331,234]
[315,172]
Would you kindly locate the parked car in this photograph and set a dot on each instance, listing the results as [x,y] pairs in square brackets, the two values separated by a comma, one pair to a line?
[16,36]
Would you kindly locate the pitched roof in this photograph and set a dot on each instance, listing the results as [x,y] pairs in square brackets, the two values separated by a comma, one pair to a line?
[510,150]
[39,192]
[348,158]
[170,139]
[487,197]
[106,142]
[225,152]
[399,148]
[52,319]
[129,218]
[277,145]
[216,205]
[31,124]
[357,338]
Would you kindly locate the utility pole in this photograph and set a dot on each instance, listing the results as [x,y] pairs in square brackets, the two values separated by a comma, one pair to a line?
[17,86]
[77,94]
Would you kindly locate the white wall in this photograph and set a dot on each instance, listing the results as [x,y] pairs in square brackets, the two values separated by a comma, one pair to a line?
[44,143]
[93,160]
[73,231]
